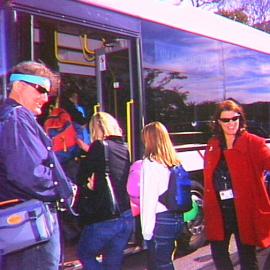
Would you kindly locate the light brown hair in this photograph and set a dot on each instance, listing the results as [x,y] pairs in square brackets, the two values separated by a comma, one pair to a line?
[158,145]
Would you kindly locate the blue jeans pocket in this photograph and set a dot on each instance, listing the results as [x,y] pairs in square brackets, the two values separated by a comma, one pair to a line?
[168,226]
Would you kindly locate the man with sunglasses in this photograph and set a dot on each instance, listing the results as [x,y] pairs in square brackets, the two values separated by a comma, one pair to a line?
[235,199]
[28,167]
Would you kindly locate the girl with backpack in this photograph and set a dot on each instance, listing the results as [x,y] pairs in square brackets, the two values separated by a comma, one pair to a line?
[160,226]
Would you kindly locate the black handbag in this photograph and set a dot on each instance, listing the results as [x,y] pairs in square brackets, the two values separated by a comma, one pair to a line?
[114,208]
[96,206]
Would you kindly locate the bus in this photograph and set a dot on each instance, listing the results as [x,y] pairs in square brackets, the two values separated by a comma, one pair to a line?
[145,61]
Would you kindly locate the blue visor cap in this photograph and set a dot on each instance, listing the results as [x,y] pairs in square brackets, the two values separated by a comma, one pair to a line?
[41,81]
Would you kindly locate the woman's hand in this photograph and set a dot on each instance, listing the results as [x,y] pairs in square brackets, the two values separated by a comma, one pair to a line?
[91,182]
[84,146]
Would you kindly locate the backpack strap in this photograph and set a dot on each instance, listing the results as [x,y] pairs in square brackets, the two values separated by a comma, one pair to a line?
[106,155]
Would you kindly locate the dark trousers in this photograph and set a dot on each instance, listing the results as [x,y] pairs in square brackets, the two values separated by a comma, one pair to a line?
[221,256]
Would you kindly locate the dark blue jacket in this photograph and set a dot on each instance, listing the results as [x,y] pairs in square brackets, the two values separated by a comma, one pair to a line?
[28,166]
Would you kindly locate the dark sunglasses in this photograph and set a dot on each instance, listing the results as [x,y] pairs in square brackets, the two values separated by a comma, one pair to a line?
[227,120]
[39,88]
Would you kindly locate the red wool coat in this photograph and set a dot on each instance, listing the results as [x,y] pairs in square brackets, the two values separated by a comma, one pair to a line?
[247,161]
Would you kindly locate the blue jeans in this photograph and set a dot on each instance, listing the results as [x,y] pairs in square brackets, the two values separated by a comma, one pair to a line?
[45,256]
[108,238]
[160,248]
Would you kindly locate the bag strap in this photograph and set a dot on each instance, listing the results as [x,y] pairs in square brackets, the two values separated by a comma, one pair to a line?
[9,202]
[114,203]
[106,155]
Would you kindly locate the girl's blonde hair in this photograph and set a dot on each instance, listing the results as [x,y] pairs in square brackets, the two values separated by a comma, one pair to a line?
[106,123]
[158,145]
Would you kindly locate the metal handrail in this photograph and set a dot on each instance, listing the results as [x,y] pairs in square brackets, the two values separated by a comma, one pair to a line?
[59,59]
[97,108]
[129,107]
[86,50]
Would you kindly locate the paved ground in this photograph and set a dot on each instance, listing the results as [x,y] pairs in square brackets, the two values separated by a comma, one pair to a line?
[201,259]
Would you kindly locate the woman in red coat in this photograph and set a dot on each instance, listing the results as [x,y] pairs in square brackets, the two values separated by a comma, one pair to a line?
[236,201]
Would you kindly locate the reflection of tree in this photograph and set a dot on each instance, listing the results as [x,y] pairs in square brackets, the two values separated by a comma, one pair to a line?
[168,104]
[166,77]
[250,12]
[169,107]
[257,115]
[205,110]
[162,104]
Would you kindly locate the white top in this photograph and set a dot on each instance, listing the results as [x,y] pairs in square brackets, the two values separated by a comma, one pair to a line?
[154,181]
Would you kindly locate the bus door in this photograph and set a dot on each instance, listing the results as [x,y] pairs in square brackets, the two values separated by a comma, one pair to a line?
[114,85]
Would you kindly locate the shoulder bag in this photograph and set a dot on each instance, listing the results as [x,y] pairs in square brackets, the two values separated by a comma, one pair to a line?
[95,206]
[114,208]
[24,224]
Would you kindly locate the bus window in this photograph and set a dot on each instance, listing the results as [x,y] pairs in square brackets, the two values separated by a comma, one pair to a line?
[186,74]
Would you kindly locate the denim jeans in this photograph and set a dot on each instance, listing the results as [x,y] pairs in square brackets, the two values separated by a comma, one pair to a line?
[107,238]
[160,248]
[45,256]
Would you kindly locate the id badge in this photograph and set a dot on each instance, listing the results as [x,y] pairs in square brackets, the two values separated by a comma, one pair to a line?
[226,194]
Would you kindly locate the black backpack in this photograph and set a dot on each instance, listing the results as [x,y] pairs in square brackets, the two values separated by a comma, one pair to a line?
[178,195]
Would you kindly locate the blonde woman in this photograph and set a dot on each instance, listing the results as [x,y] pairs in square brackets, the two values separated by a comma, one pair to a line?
[104,234]
[160,227]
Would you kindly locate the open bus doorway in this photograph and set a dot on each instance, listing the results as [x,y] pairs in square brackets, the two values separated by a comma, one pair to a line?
[113,82]
[114,85]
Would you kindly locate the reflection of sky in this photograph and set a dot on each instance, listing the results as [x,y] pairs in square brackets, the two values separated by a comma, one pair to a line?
[243,75]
